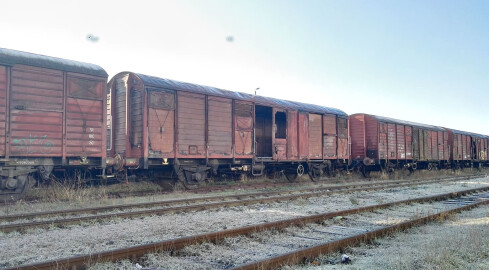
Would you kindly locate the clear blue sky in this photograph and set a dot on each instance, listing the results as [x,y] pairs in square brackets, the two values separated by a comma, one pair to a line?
[422,61]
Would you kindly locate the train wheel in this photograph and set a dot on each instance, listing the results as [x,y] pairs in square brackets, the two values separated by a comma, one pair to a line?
[365,172]
[291,177]
[430,166]
[315,174]
[24,184]
[189,182]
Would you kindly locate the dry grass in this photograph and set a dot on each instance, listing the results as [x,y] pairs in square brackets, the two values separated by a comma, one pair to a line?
[58,191]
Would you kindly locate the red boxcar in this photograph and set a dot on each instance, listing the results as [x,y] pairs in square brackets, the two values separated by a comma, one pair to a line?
[467,149]
[389,143]
[51,114]
[195,130]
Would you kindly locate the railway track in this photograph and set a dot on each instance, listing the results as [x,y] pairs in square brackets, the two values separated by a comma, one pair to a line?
[25,221]
[218,188]
[275,244]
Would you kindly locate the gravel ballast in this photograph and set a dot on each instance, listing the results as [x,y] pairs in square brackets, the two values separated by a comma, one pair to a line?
[40,245]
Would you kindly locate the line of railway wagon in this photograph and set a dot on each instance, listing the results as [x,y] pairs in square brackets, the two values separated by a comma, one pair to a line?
[60,117]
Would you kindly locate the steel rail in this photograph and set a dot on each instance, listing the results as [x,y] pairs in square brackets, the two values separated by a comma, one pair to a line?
[21,227]
[94,210]
[302,255]
[81,262]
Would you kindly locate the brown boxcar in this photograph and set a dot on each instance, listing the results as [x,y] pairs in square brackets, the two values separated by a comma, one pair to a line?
[193,131]
[51,114]
[467,149]
[389,143]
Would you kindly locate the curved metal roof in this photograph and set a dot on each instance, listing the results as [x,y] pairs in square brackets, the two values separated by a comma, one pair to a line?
[402,122]
[207,90]
[468,133]
[12,57]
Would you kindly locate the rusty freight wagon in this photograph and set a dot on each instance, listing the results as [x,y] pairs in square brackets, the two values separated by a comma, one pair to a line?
[467,149]
[193,131]
[52,114]
[384,143]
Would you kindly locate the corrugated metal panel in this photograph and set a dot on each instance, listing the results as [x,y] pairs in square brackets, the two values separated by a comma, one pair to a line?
[136,117]
[357,134]
[457,147]
[467,147]
[408,132]
[329,124]
[119,114]
[315,136]
[440,145]
[191,125]
[485,149]
[434,145]
[417,145]
[220,127]
[3,107]
[161,120]
[292,144]
[428,145]
[401,142]
[84,116]
[207,90]
[372,137]
[303,135]
[383,141]
[13,57]
[446,146]
[391,141]
[342,150]
[329,137]
[84,127]
[36,104]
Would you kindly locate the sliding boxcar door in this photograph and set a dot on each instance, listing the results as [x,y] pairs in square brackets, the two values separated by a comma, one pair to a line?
[161,121]
[36,112]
